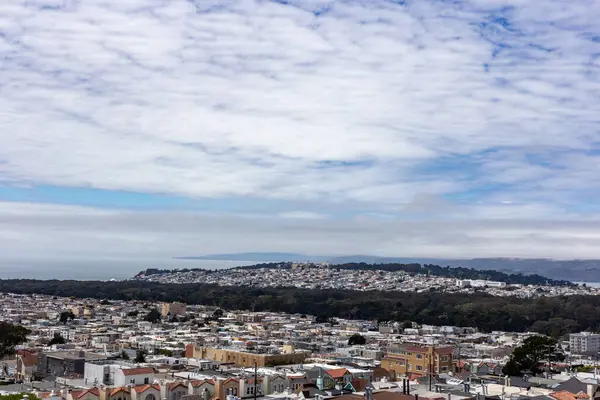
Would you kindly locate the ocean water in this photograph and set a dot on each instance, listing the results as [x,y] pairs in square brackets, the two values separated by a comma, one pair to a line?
[100,269]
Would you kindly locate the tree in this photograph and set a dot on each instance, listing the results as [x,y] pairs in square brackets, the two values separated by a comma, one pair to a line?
[140,357]
[11,336]
[321,319]
[357,338]
[529,356]
[124,355]
[218,313]
[66,316]
[57,339]
[105,303]
[153,316]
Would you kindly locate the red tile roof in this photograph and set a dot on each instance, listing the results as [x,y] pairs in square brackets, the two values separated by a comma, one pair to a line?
[80,393]
[143,388]
[175,385]
[337,373]
[118,390]
[202,382]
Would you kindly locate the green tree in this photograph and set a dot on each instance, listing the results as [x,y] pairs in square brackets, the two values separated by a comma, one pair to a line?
[357,339]
[66,316]
[124,355]
[57,339]
[11,336]
[153,316]
[140,357]
[531,354]
[218,313]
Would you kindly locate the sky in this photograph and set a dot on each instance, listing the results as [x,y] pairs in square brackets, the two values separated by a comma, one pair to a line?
[429,128]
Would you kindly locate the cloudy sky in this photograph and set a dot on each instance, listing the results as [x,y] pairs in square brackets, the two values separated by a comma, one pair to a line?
[397,128]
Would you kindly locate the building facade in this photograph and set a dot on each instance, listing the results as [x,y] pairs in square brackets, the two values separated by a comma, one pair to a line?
[245,359]
[584,343]
[413,361]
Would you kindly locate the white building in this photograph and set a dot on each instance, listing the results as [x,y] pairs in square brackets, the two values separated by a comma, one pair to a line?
[584,343]
[114,374]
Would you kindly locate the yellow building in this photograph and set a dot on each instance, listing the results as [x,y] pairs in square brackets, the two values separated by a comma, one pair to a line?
[413,361]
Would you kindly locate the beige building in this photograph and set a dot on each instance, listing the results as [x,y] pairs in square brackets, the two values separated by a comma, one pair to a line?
[172,309]
[411,361]
[246,359]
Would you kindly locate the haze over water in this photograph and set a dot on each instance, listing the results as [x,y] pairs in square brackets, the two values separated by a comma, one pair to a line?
[100,269]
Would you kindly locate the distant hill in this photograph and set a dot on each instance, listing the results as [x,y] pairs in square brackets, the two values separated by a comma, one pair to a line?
[572,270]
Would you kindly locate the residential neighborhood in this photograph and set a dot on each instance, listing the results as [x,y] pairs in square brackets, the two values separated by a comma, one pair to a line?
[85,349]
[325,276]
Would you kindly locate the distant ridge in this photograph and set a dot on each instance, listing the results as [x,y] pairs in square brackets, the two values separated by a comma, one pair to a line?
[572,270]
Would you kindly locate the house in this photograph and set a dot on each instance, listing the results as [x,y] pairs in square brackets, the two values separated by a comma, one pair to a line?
[26,366]
[174,390]
[118,393]
[205,388]
[247,388]
[338,376]
[227,387]
[133,376]
[274,384]
[146,392]
[85,394]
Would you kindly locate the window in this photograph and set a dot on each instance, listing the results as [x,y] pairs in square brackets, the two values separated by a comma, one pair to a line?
[146,381]
[150,397]
[419,368]
[444,358]
[419,356]
[132,381]
[444,369]
[401,362]
[409,367]
[248,390]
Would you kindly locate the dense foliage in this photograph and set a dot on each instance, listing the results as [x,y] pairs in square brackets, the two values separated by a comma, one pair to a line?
[549,315]
[426,269]
[530,356]
[11,336]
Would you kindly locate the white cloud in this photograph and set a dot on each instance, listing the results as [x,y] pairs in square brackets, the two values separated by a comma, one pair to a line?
[370,102]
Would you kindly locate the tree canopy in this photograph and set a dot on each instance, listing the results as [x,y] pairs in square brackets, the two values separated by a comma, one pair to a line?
[11,336]
[531,354]
[66,316]
[152,316]
[140,357]
[357,339]
[553,316]
[57,339]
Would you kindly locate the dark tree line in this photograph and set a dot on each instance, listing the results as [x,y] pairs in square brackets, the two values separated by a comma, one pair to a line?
[553,316]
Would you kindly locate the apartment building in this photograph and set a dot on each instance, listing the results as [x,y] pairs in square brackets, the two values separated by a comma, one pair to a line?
[413,361]
[245,358]
[584,343]
[172,309]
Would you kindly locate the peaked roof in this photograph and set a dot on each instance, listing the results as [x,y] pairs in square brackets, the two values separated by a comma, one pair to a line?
[118,390]
[143,388]
[175,385]
[337,373]
[198,383]
[80,393]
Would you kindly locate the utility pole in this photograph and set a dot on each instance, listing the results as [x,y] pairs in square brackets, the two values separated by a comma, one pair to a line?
[255,378]
[430,367]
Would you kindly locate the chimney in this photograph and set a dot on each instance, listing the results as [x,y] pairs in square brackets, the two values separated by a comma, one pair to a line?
[591,390]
